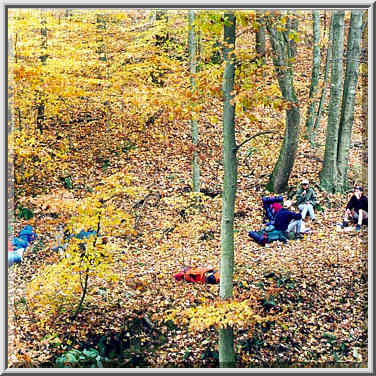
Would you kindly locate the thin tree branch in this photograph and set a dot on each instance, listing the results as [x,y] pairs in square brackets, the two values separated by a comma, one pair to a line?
[252,137]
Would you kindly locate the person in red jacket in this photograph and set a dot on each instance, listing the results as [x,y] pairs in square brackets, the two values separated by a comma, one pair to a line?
[276,207]
[288,221]
[357,208]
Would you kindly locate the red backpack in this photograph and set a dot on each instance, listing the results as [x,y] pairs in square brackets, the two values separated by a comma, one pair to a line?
[198,275]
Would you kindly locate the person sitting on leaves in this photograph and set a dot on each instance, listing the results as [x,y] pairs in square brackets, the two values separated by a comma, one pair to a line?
[306,200]
[289,221]
[357,208]
[276,207]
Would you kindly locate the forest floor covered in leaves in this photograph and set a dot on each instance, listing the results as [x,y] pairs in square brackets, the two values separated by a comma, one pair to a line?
[314,291]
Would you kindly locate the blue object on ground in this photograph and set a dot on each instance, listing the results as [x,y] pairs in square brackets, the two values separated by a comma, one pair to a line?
[15,256]
[20,243]
[27,234]
[83,234]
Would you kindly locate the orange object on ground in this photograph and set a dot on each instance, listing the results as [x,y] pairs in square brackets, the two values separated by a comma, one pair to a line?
[198,275]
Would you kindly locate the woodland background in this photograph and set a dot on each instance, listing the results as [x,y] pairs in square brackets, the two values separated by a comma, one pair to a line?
[101,105]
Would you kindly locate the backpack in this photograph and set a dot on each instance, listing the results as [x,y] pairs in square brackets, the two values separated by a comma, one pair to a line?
[198,275]
[262,237]
[259,237]
[276,235]
[27,234]
[267,204]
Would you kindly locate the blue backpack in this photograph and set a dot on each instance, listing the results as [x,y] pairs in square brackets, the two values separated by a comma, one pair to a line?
[267,204]
[263,236]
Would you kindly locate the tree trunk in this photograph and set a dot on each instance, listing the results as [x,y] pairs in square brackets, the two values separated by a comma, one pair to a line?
[226,348]
[226,338]
[43,58]
[161,14]
[348,98]
[160,39]
[40,112]
[328,174]
[260,36]
[10,146]
[281,51]
[293,24]
[101,26]
[192,47]
[323,91]
[10,85]
[364,95]
[315,70]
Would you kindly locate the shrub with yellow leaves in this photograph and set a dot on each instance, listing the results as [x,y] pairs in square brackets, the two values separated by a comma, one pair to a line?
[219,314]
[64,286]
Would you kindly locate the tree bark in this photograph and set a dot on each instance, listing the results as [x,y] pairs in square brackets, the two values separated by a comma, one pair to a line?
[226,348]
[315,70]
[281,52]
[160,39]
[10,85]
[192,47]
[293,24]
[161,14]
[10,146]
[328,174]
[226,338]
[348,98]
[43,58]
[260,36]
[323,91]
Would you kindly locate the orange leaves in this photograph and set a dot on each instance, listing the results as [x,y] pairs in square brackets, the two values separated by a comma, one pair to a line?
[24,73]
[58,201]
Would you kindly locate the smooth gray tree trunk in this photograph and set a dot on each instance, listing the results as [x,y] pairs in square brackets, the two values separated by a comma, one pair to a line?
[328,174]
[260,36]
[348,98]
[9,146]
[10,85]
[323,91]
[293,24]
[283,66]
[315,70]
[226,337]
[43,59]
[192,47]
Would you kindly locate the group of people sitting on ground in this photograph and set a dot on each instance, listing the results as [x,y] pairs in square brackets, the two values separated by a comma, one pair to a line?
[290,223]
[285,220]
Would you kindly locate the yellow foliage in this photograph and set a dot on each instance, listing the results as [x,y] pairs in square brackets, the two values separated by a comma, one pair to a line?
[220,314]
[58,287]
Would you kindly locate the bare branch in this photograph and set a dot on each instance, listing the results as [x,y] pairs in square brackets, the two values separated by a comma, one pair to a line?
[252,137]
